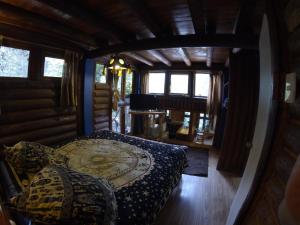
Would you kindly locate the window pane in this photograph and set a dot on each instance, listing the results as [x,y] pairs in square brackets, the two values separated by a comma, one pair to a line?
[202,82]
[53,67]
[157,83]
[99,76]
[179,84]
[128,84]
[13,62]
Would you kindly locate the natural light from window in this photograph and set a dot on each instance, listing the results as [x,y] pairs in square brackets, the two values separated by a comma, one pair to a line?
[156,83]
[13,62]
[99,76]
[179,84]
[202,82]
[53,67]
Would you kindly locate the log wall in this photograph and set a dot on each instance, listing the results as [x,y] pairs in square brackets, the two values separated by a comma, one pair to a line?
[30,112]
[102,107]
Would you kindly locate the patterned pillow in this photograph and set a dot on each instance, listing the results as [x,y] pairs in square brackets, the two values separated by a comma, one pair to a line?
[29,157]
[58,195]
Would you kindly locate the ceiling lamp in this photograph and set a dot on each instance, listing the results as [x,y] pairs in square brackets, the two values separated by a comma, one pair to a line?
[117,65]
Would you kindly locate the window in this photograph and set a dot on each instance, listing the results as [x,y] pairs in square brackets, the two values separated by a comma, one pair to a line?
[179,84]
[128,84]
[156,83]
[202,82]
[99,76]
[53,67]
[13,62]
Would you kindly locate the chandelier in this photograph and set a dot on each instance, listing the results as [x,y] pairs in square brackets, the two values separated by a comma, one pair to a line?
[116,65]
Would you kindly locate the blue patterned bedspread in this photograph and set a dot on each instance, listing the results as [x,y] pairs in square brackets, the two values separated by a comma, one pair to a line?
[140,203]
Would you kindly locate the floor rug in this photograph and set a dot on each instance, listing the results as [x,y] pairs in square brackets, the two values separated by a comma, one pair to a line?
[197,162]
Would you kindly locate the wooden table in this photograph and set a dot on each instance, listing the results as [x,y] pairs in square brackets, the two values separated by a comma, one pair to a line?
[148,113]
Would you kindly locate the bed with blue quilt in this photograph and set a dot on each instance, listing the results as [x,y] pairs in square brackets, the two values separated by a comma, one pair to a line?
[106,178]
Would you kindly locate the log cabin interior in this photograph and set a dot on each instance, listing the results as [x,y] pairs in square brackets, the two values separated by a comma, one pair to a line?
[139,112]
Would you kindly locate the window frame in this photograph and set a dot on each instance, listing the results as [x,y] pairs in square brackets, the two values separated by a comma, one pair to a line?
[106,81]
[17,45]
[50,55]
[194,84]
[165,84]
[188,73]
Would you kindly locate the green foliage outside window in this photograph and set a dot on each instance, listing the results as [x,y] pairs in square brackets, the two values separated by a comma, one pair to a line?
[13,62]
[99,77]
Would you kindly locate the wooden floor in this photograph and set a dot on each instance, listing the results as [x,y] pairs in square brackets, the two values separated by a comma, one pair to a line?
[201,200]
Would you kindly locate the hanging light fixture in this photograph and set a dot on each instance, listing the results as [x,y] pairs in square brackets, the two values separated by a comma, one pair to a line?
[116,65]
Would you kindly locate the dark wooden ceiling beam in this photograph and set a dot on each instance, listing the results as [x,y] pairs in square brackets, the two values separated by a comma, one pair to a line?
[243,21]
[160,57]
[149,18]
[201,66]
[21,35]
[73,9]
[137,57]
[21,18]
[207,40]
[182,52]
[209,57]
[198,16]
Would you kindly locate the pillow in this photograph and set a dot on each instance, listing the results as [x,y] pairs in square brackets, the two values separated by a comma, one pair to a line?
[58,195]
[29,157]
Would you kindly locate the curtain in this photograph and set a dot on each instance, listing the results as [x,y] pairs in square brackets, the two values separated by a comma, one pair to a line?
[145,83]
[68,97]
[214,99]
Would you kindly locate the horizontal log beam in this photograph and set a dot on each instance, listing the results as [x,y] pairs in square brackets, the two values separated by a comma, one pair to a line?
[100,126]
[101,100]
[101,106]
[26,94]
[102,86]
[15,128]
[41,133]
[28,104]
[27,84]
[35,114]
[101,119]
[57,138]
[102,112]
[207,40]
[182,66]
[101,93]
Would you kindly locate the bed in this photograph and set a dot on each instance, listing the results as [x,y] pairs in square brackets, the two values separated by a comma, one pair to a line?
[142,173]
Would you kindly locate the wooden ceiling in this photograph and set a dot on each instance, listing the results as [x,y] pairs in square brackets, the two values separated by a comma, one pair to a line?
[94,24]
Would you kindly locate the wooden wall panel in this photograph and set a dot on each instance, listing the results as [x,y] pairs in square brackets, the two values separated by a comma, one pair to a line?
[30,112]
[242,109]
[102,107]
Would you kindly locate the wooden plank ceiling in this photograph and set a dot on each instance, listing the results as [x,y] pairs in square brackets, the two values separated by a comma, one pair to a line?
[92,24]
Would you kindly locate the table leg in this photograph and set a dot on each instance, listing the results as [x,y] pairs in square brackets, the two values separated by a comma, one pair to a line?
[132,124]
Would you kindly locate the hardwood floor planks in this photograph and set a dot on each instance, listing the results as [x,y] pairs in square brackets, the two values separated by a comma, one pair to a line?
[201,200]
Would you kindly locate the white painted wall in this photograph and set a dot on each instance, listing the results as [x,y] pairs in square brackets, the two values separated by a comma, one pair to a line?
[262,121]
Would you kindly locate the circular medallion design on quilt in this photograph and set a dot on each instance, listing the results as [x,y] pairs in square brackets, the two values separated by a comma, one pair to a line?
[120,163]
